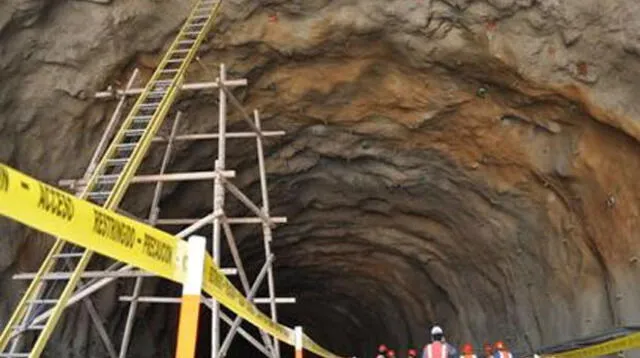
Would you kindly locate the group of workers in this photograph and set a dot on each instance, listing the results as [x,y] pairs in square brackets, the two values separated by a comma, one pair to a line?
[439,348]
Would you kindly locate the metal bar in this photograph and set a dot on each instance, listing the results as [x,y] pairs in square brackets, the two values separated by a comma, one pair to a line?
[245,335]
[169,300]
[238,320]
[102,274]
[197,226]
[268,237]
[232,221]
[279,300]
[155,178]
[99,326]
[218,204]
[246,201]
[233,248]
[225,91]
[211,136]
[185,87]
[153,217]
[128,328]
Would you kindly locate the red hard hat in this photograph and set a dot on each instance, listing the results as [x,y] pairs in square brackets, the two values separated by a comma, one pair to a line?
[413,352]
[467,349]
[500,345]
[391,353]
[382,348]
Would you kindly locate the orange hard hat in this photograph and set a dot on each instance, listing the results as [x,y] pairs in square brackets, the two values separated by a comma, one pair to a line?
[500,345]
[391,353]
[467,349]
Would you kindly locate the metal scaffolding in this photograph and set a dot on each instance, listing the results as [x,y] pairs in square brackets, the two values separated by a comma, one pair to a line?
[220,222]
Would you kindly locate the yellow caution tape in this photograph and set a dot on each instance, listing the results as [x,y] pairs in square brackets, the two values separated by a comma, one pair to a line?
[615,345]
[82,223]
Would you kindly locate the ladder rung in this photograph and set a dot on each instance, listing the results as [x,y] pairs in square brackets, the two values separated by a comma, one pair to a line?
[200,17]
[192,33]
[46,301]
[150,105]
[98,194]
[165,81]
[67,255]
[142,118]
[179,51]
[186,42]
[107,179]
[125,146]
[113,162]
[179,60]
[134,132]
[14,355]
[168,71]
[38,327]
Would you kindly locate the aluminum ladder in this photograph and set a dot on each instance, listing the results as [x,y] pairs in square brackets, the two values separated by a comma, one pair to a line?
[35,318]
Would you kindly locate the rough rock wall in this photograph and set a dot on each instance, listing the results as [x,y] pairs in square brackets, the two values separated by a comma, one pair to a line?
[471,163]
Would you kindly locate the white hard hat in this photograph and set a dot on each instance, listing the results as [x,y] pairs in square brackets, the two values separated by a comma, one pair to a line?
[436,330]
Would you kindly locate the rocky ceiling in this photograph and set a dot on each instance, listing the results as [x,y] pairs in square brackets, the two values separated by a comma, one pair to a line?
[471,163]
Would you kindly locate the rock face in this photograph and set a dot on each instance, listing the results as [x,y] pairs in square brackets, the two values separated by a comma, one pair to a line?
[469,163]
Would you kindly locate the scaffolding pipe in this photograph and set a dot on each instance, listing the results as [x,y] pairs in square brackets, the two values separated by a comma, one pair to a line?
[168,300]
[211,136]
[185,87]
[157,178]
[268,236]
[233,248]
[218,205]
[231,221]
[250,294]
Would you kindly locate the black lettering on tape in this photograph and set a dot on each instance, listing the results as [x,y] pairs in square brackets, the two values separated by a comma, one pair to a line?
[216,278]
[56,202]
[112,229]
[4,179]
[157,249]
[210,277]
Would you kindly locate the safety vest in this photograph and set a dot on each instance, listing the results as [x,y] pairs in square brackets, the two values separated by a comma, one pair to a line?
[435,350]
[468,356]
[503,354]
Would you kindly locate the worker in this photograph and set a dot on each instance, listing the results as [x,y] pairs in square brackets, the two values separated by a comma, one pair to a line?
[382,351]
[391,353]
[438,348]
[488,350]
[501,350]
[467,351]
[412,353]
